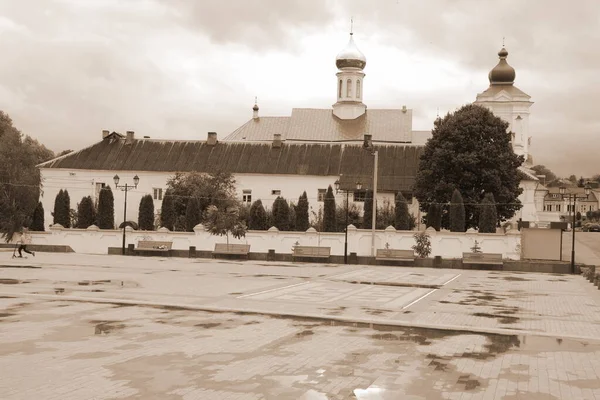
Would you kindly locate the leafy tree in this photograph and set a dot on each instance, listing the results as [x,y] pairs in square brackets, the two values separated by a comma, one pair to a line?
[216,189]
[581,182]
[224,222]
[86,215]
[19,177]
[302,223]
[64,152]
[434,216]
[37,223]
[488,218]
[543,170]
[106,209]
[281,214]
[368,210]
[329,211]
[167,211]
[146,213]
[457,212]
[422,244]
[402,217]
[573,179]
[193,215]
[258,217]
[470,151]
[292,217]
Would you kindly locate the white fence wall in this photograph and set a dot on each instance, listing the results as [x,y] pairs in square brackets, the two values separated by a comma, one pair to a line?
[445,244]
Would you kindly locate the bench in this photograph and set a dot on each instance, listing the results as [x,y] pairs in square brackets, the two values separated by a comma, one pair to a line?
[231,250]
[483,258]
[395,255]
[311,252]
[153,246]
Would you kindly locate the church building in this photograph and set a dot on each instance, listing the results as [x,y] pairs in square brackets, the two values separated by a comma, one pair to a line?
[283,156]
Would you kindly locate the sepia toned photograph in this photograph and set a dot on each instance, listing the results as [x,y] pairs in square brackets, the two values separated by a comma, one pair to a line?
[299,199]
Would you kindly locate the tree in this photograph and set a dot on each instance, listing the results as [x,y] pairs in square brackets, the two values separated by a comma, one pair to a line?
[573,179]
[86,215]
[578,216]
[434,216]
[216,189]
[457,212]
[543,170]
[146,213]
[19,177]
[488,217]
[470,150]
[167,211]
[258,217]
[368,210]
[302,223]
[63,153]
[281,211]
[402,217]
[62,209]
[193,214]
[37,223]
[224,222]
[422,244]
[329,211]
[106,209]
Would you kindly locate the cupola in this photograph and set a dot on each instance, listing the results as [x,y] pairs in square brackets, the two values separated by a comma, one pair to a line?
[502,74]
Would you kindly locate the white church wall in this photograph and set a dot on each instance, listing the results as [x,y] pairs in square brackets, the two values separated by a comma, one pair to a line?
[444,244]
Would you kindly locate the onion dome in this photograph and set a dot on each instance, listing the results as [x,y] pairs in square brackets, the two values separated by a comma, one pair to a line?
[351,57]
[502,74]
[255,108]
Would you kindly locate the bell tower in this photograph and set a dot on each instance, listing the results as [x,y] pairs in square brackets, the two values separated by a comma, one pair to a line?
[350,77]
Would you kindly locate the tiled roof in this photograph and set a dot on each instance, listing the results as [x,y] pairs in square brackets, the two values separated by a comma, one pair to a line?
[320,125]
[397,164]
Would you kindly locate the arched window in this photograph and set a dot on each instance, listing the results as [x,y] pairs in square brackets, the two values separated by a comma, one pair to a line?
[349,88]
[340,90]
[358,89]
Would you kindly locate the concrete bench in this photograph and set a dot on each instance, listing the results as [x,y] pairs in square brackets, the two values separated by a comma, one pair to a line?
[311,252]
[231,250]
[483,258]
[153,246]
[395,255]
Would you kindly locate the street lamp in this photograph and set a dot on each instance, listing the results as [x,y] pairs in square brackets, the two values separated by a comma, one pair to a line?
[562,190]
[368,145]
[337,189]
[125,188]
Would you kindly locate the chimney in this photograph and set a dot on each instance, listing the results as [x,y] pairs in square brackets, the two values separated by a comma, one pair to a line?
[368,141]
[211,140]
[129,138]
[105,133]
[404,109]
[277,141]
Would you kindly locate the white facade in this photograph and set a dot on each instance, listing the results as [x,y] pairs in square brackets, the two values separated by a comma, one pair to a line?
[250,187]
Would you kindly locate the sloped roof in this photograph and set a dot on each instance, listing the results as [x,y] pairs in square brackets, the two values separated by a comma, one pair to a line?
[510,89]
[397,164]
[320,125]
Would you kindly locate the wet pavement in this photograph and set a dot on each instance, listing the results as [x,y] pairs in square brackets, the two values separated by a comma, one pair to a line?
[90,327]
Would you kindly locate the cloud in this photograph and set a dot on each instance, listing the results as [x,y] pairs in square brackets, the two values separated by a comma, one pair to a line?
[180,68]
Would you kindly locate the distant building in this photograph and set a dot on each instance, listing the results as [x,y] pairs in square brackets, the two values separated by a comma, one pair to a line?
[284,156]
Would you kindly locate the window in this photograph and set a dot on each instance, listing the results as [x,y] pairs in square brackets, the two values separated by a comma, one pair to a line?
[247,196]
[321,194]
[158,194]
[99,187]
[349,88]
[358,89]
[360,195]
[558,207]
[340,89]
[570,208]
[276,192]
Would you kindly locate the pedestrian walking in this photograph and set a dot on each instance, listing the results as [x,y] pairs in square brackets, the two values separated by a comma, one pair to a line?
[24,240]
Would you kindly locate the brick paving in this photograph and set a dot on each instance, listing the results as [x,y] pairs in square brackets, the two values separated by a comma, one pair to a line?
[374,339]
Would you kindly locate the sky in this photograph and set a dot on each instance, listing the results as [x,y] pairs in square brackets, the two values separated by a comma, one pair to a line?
[177,69]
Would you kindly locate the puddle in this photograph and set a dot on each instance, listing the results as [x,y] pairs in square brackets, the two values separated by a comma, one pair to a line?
[106,327]
[59,290]
[5,315]
[11,281]
[208,325]
[20,266]
[503,319]
[305,333]
[87,283]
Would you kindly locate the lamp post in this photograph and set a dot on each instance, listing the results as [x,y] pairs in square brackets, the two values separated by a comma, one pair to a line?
[125,188]
[573,196]
[368,145]
[337,189]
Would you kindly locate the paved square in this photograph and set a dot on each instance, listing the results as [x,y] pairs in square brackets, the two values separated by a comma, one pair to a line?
[89,327]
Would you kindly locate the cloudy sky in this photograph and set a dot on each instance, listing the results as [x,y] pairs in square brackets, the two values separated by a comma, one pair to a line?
[179,68]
